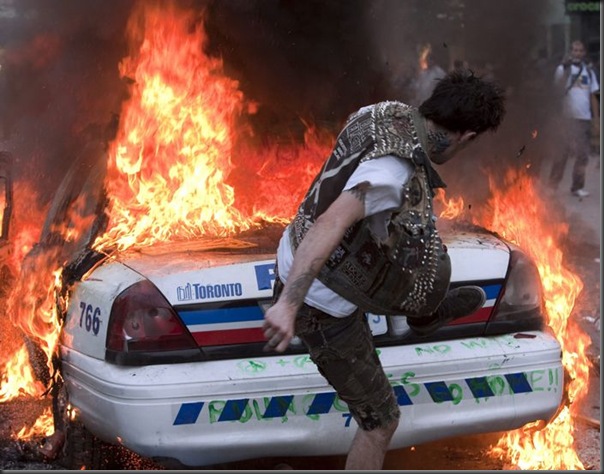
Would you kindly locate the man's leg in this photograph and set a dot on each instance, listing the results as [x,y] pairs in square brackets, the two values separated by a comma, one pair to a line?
[369,448]
[343,350]
[582,149]
[568,148]
[579,170]
[557,170]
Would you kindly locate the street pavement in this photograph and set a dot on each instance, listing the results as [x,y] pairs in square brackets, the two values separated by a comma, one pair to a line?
[586,211]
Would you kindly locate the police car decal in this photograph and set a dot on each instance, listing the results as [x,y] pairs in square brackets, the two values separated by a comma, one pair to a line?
[238,322]
[226,283]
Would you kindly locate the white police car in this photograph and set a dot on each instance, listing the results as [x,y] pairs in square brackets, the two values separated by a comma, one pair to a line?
[161,353]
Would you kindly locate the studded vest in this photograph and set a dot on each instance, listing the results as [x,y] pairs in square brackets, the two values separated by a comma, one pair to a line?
[409,272]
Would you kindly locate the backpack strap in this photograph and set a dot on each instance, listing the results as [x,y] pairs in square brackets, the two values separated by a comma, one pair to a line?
[575,79]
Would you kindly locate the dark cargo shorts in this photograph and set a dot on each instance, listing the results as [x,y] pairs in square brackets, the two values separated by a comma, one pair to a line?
[343,350]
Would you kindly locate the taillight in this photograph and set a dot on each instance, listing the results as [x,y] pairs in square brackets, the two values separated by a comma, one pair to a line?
[144,328]
[523,294]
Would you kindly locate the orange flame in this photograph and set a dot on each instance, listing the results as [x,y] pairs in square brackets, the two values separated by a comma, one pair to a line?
[167,167]
[44,424]
[17,375]
[173,157]
[424,54]
[18,378]
[518,214]
[452,208]
[31,303]
[2,206]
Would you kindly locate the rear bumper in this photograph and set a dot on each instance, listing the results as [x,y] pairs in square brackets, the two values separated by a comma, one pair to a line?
[222,411]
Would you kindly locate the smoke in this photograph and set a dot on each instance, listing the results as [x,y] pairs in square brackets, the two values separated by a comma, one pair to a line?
[59,81]
[312,61]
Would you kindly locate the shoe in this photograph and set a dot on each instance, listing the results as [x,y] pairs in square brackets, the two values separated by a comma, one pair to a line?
[458,303]
[581,193]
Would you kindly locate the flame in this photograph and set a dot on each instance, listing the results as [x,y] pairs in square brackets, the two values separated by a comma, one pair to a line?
[452,208]
[171,175]
[26,222]
[424,54]
[17,375]
[44,424]
[30,304]
[516,212]
[184,165]
[169,167]
[18,378]
[2,207]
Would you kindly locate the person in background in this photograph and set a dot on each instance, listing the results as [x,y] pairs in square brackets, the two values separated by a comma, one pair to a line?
[364,240]
[578,85]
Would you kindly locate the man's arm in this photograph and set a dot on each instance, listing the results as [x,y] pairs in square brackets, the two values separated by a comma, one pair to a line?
[314,250]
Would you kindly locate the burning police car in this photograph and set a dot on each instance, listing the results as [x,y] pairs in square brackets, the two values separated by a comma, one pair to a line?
[165,277]
[161,351]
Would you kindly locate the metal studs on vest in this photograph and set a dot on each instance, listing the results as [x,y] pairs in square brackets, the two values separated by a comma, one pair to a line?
[409,272]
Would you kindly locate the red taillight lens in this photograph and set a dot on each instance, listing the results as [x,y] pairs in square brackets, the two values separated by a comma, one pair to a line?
[142,320]
[523,292]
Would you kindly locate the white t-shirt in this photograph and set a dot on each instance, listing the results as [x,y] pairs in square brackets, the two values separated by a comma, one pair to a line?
[577,103]
[386,175]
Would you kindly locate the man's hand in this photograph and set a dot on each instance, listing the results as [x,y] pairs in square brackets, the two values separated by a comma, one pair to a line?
[278,326]
[318,244]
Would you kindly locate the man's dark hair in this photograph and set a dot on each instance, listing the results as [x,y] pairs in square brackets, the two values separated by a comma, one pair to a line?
[463,102]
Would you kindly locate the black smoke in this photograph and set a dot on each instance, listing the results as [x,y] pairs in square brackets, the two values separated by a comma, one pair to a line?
[59,82]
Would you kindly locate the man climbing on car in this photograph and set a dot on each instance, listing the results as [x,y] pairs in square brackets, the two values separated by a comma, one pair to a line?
[364,239]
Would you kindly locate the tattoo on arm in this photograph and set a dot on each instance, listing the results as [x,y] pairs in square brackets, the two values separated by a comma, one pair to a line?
[296,292]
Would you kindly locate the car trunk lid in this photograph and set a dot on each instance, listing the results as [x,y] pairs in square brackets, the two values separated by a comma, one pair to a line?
[220,288]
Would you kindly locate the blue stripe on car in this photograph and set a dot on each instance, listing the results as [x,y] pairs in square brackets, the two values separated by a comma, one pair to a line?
[518,382]
[492,291]
[233,410]
[188,413]
[439,392]
[480,387]
[322,403]
[401,396]
[278,406]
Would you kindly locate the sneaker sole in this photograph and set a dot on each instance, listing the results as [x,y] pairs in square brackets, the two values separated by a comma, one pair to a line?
[427,330]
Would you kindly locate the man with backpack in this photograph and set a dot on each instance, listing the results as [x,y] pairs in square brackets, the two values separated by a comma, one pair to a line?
[578,85]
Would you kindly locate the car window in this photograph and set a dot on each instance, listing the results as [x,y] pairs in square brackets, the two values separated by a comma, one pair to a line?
[76,209]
